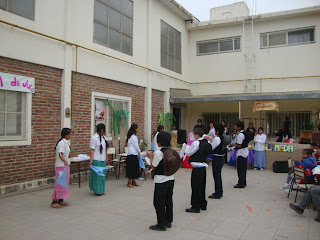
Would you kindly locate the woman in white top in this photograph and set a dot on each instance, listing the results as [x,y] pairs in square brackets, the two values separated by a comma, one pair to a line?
[62,161]
[212,131]
[259,150]
[132,164]
[99,158]
[160,128]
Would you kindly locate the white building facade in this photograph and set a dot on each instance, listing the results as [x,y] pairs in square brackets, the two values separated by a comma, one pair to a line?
[140,56]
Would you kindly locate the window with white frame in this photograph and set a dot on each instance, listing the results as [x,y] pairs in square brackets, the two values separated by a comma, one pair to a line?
[13,117]
[23,8]
[170,48]
[103,113]
[287,37]
[218,46]
[113,24]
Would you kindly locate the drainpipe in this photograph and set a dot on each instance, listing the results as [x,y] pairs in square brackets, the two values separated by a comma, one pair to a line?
[240,110]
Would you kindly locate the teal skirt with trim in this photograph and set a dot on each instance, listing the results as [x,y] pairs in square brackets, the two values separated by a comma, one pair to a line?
[97,183]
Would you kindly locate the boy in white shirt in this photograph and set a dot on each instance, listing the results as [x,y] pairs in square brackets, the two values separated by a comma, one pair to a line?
[242,154]
[163,189]
[198,152]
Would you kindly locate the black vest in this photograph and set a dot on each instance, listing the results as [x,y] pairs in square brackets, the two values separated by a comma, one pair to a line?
[159,170]
[202,154]
[219,150]
[245,141]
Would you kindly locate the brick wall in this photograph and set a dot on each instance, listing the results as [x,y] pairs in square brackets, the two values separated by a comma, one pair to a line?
[83,86]
[157,107]
[25,163]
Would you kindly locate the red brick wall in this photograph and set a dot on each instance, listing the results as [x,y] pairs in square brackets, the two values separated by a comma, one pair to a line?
[25,163]
[157,107]
[83,86]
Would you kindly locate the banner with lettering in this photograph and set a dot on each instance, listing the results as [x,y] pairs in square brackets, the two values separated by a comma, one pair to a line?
[16,83]
[278,147]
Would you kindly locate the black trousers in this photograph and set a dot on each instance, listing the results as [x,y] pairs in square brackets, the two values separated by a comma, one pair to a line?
[162,202]
[217,164]
[198,186]
[242,171]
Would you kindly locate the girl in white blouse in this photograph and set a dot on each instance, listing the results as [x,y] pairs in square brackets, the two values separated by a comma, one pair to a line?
[99,158]
[259,150]
[62,161]
[132,164]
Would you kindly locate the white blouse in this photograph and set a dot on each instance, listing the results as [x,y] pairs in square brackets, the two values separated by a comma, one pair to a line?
[155,143]
[95,145]
[259,142]
[64,148]
[133,145]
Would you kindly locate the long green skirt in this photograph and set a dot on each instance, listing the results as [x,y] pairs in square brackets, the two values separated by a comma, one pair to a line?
[97,183]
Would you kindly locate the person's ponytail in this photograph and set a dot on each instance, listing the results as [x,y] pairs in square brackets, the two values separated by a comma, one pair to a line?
[64,133]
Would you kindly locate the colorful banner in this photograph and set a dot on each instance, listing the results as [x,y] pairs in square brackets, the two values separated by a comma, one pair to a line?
[16,83]
[277,147]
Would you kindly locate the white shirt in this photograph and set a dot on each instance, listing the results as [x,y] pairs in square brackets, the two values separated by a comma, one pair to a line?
[155,143]
[133,146]
[212,132]
[158,156]
[215,143]
[243,152]
[64,148]
[192,149]
[95,145]
[259,142]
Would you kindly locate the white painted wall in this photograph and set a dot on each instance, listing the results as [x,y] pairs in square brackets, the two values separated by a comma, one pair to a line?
[252,62]
[238,9]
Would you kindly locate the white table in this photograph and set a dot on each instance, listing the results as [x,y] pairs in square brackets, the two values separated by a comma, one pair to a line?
[79,160]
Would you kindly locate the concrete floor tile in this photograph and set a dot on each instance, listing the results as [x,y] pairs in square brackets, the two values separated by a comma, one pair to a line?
[229,229]
[187,234]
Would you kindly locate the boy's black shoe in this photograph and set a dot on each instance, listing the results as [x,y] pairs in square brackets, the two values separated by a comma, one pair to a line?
[296,208]
[168,225]
[238,186]
[157,228]
[192,210]
[204,208]
[317,219]
[215,196]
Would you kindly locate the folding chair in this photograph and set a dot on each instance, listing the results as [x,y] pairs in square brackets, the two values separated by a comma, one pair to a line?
[298,175]
[112,151]
[122,161]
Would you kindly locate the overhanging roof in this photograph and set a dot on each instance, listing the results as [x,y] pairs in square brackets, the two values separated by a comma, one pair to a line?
[246,97]
[179,10]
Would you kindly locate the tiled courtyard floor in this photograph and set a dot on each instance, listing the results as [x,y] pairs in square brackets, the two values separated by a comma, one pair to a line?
[126,214]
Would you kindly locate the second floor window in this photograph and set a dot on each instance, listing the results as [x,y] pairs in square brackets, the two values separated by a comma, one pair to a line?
[289,37]
[218,46]
[113,24]
[170,48]
[23,8]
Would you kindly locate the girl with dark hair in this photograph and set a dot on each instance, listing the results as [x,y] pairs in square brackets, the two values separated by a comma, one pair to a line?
[259,149]
[62,150]
[132,165]
[99,158]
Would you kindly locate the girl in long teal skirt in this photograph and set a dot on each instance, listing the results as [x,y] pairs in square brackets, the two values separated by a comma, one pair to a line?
[99,158]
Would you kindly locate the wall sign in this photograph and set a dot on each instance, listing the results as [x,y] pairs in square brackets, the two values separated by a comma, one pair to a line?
[100,115]
[16,83]
[277,147]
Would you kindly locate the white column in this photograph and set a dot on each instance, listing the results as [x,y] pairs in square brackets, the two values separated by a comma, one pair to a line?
[148,113]
[66,87]
[166,103]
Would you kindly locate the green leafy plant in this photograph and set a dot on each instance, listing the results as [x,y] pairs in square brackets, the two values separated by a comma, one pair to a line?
[166,119]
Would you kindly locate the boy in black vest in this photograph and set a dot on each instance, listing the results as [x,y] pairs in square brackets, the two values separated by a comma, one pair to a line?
[198,152]
[217,160]
[163,189]
[242,154]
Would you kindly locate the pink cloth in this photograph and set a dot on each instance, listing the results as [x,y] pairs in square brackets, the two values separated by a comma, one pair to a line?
[60,192]
[190,138]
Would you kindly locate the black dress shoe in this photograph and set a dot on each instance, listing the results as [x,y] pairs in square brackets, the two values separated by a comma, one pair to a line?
[168,225]
[203,208]
[296,208]
[238,186]
[215,196]
[157,228]
[192,210]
